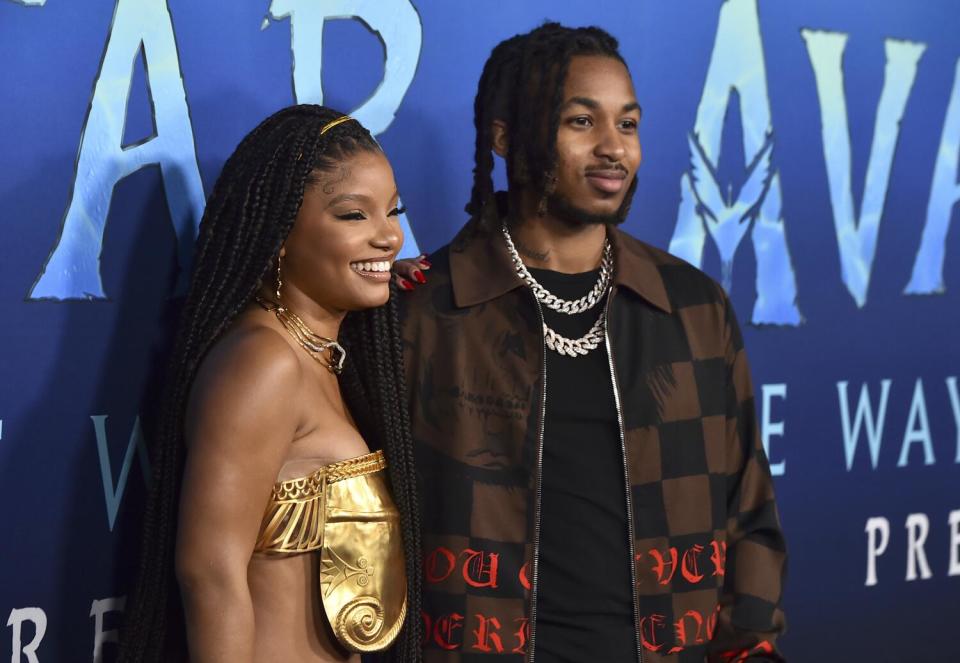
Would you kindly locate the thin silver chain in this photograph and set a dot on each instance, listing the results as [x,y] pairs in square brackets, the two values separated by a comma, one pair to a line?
[551,301]
[572,347]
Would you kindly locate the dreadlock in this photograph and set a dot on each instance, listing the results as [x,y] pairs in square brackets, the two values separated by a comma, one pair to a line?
[522,85]
[247,218]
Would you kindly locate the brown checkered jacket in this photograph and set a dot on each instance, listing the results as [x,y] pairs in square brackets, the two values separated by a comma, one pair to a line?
[709,553]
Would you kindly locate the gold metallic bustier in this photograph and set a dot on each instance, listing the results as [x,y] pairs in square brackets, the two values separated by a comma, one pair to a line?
[344,510]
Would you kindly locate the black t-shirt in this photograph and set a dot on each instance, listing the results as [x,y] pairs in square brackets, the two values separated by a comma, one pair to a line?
[584,600]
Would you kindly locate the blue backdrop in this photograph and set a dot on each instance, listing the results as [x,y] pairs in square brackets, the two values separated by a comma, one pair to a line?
[804,153]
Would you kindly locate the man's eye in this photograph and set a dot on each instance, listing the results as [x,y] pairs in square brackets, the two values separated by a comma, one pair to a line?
[397,211]
[629,125]
[352,216]
[581,121]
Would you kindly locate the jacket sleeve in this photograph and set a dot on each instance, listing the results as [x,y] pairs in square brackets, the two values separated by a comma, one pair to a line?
[750,617]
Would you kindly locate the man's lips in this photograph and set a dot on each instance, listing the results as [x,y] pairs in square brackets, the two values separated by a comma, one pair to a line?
[607,180]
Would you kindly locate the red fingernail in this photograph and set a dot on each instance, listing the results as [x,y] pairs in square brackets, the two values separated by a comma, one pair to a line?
[405,284]
[425,263]
[418,275]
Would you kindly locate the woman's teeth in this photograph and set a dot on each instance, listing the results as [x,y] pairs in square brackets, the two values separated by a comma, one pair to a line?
[378,266]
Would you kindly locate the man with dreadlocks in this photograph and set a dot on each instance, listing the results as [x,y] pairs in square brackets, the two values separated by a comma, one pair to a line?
[592,481]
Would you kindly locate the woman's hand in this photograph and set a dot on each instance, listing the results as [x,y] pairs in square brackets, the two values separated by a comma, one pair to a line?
[407,273]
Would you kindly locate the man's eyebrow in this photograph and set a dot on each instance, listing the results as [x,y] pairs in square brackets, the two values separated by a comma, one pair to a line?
[594,105]
[583,101]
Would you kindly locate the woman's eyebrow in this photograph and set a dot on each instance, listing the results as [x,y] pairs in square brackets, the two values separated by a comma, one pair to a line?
[339,198]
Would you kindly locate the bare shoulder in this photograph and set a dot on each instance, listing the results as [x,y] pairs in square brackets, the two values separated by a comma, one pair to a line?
[250,368]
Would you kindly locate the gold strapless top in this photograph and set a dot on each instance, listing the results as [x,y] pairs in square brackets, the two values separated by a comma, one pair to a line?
[344,510]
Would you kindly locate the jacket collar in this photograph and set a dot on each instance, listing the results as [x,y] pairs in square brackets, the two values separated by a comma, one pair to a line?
[481,269]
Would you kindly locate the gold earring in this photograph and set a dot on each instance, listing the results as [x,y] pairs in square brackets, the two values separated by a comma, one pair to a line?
[279,278]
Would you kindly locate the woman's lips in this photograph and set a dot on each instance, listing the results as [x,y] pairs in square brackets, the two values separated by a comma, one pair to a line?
[375,270]
[380,277]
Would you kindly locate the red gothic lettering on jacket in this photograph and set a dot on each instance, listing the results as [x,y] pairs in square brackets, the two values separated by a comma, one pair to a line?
[486,634]
[665,564]
[522,634]
[447,325]
[480,573]
[439,564]
[712,622]
[479,568]
[688,567]
[718,557]
[741,655]
[684,637]
[443,629]
[661,565]
[648,627]
[524,577]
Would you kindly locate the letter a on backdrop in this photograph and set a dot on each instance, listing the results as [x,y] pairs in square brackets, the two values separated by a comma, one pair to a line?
[73,269]
[737,63]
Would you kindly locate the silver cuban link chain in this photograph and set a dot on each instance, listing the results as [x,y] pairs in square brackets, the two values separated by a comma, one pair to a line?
[575,347]
[551,301]
[572,347]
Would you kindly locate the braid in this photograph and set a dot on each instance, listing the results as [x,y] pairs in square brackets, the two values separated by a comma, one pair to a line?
[377,379]
[248,216]
[484,112]
[522,85]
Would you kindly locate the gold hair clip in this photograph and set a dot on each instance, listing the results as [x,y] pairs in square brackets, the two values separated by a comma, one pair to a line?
[330,125]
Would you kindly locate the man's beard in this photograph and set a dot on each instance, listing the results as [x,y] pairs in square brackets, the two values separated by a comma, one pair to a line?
[562,208]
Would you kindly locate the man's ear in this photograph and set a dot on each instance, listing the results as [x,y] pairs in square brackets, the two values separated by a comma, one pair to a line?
[501,138]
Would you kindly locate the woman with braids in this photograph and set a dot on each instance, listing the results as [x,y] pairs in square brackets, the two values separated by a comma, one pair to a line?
[282,524]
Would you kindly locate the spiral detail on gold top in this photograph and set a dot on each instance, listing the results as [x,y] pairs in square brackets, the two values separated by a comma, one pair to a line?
[359,625]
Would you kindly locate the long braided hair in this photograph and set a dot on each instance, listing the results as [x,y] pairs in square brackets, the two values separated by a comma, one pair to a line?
[522,85]
[247,218]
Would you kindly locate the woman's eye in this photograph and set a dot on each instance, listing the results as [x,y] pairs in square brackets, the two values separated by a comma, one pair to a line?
[397,211]
[352,216]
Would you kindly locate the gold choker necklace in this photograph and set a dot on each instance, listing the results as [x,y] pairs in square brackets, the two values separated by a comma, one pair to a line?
[318,347]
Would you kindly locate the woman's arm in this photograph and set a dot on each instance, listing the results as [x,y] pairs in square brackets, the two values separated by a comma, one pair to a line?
[241,419]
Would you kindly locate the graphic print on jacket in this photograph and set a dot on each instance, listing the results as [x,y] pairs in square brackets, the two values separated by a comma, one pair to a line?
[709,553]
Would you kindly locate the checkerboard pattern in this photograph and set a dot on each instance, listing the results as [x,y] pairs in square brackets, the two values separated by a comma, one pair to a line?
[709,554]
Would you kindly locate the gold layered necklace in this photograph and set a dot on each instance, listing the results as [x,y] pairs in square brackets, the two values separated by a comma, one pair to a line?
[325,351]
